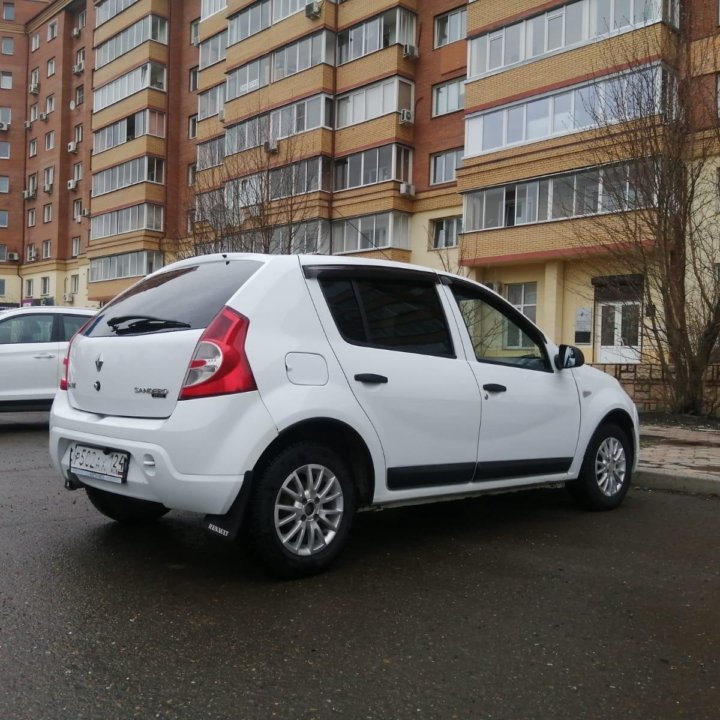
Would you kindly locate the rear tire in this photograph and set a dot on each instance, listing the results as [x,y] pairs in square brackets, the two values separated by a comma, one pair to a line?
[302,509]
[605,473]
[124,509]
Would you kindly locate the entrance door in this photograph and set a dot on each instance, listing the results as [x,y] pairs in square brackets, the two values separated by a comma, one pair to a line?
[618,330]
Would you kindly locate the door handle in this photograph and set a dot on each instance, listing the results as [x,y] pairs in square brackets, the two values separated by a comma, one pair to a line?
[371,378]
[494,387]
[43,356]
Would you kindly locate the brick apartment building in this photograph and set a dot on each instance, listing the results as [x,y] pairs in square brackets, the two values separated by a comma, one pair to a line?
[437,132]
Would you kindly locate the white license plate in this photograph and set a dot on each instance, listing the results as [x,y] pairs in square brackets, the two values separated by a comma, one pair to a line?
[99,464]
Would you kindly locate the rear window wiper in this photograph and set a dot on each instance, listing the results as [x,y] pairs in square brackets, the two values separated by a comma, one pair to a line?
[142,323]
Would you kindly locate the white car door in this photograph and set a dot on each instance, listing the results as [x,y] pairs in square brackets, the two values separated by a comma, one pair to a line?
[389,330]
[531,411]
[30,358]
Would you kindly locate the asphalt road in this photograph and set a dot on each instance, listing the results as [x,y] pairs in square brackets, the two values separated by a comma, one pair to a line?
[505,607]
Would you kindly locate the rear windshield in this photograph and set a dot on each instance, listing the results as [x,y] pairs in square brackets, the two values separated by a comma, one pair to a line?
[184,299]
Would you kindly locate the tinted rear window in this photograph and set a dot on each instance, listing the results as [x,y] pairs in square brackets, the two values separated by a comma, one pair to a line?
[192,295]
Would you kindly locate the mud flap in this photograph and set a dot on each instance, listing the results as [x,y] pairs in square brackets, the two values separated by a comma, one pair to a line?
[228,525]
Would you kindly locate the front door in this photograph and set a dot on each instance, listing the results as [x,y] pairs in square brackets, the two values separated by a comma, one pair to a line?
[618,331]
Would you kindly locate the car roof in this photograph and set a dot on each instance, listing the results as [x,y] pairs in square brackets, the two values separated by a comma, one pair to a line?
[48,309]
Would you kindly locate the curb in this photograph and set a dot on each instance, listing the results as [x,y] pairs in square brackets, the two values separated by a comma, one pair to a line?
[659,480]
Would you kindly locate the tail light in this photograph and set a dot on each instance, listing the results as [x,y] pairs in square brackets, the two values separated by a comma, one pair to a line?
[66,359]
[219,365]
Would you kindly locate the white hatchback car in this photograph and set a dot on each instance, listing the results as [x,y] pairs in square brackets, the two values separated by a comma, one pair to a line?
[283,393]
[33,343]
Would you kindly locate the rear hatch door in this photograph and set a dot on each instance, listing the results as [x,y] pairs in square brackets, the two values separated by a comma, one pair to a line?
[132,359]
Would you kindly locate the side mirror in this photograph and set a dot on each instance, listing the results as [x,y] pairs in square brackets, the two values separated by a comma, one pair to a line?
[569,356]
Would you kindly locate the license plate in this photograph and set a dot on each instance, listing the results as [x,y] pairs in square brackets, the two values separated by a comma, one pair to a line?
[99,464]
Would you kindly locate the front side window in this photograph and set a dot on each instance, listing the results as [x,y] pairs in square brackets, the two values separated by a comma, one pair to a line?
[499,335]
[389,314]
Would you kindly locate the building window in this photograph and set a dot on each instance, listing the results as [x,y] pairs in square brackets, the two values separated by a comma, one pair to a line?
[48,177]
[52,30]
[4,184]
[142,169]
[249,21]
[134,264]
[29,288]
[75,251]
[74,284]
[51,67]
[2,284]
[568,111]
[194,32]
[445,232]
[372,101]
[210,7]
[77,171]
[80,57]
[80,20]
[244,80]
[137,217]
[78,133]
[50,104]
[7,46]
[30,253]
[213,50]
[50,140]
[4,150]
[44,285]
[8,11]
[389,162]
[6,80]
[193,84]
[34,42]
[33,112]
[77,208]
[449,97]
[192,126]
[31,217]
[524,297]
[151,27]
[32,148]
[5,115]
[393,26]
[46,249]
[370,232]
[191,174]
[47,213]
[79,95]
[109,9]
[443,166]
[566,26]
[451,27]
[4,218]
[150,75]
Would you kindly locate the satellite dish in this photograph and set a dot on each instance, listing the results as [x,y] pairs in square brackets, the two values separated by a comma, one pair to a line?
[72,104]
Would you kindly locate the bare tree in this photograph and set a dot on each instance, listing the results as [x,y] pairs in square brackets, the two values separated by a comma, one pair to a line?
[253,193]
[655,168]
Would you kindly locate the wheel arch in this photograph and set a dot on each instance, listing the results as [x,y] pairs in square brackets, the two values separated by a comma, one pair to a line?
[623,420]
[338,436]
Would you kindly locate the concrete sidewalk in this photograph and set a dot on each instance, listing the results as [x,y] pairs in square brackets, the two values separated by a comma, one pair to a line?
[679,458]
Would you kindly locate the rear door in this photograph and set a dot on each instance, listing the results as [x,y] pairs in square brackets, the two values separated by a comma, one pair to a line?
[29,357]
[389,331]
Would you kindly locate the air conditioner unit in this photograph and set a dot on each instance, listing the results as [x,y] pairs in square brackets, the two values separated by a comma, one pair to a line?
[312,10]
[270,146]
[4,126]
[76,32]
[410,51]
[28,194]
[72,147]
[72,184]
[78,69]
[85,212]
[13,256]
[407,190]
[34,88]
[68,297]
[406,117]
[221,114]
[494,286]
[47,187]
[43,116]
[27,124]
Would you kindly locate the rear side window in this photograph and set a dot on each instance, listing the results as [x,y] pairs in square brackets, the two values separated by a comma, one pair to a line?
[70,324]
[188,297]
[389,314]
[27,329]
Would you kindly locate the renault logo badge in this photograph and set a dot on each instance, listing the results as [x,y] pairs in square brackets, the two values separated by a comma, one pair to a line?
[99,362]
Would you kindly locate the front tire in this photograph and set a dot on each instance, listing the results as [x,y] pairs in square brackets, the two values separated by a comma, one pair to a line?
[605,473]
[302,510]
[125,509]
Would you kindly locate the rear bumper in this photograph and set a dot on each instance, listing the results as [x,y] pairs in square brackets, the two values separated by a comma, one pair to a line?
[194,460]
